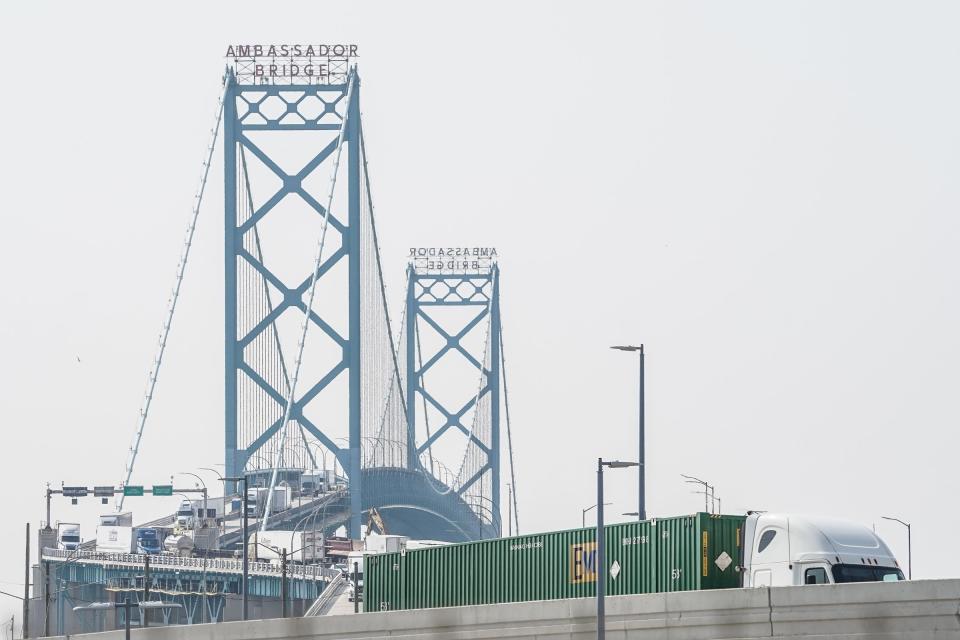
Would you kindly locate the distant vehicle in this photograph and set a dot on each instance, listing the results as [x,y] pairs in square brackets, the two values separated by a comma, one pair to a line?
[355,558]
[423,544]
[306,546]
[149,541]
[179,545]
[257,500]
[116,539]
[384,543]
[185,517]
[124,539]
[68,536]
[124,519]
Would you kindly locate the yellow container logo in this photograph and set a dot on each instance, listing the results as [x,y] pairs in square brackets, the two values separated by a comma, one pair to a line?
[583,562]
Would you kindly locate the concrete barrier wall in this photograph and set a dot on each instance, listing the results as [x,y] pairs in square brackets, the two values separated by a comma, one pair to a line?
[927,609]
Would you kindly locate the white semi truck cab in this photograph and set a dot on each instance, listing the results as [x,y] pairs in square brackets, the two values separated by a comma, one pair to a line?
[68,536]
[789,549]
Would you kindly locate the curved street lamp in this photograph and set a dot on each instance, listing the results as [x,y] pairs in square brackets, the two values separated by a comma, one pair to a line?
[909,545]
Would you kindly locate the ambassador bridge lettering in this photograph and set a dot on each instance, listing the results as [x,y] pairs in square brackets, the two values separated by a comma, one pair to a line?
[453,258]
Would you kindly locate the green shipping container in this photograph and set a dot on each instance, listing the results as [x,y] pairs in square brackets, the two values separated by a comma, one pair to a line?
[685,553]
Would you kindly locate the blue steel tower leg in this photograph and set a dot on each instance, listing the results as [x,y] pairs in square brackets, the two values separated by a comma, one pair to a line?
[232,464]
[353,238]
[494,382]
[412,382]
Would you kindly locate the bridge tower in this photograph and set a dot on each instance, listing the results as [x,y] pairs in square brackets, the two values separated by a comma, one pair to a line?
[449,298]
[281,144]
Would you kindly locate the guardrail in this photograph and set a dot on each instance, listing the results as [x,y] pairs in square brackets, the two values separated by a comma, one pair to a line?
[222,565]
[332,591]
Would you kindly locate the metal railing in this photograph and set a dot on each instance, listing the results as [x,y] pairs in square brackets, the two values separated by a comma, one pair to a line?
[330,593]
[223,565]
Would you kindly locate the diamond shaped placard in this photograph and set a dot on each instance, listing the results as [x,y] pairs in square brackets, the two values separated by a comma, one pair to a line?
[615,569]
[723,561]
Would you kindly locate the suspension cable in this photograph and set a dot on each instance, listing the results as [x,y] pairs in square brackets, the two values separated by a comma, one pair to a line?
[309,307]
[426,415]
[279,362]
[168,318]
[506,406]
[394,346]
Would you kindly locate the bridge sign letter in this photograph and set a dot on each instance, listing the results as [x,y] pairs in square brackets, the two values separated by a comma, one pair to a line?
[583,562]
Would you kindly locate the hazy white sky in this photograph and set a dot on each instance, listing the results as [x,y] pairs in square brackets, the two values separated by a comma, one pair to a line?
[763,193]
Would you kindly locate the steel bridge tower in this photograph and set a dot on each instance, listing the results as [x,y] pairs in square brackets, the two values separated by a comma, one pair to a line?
[474,290]
[257,376]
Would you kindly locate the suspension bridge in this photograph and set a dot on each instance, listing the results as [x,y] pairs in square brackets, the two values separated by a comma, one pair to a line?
[408,413]
[314,365]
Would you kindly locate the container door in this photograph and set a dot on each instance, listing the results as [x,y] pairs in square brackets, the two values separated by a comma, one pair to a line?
[677,548]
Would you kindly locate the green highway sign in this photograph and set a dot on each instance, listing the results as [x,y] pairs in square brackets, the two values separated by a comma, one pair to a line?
[163,489]
[133,490]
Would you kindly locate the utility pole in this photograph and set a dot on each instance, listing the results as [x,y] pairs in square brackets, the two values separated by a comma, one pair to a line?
[46,598]
[283,582]
[25,628]
[145,613]
[356,587]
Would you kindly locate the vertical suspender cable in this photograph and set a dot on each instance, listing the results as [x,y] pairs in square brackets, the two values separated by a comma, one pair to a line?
[506,406]
[309,307]
[168,318]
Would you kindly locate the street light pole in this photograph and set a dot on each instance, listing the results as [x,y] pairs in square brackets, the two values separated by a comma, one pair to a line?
[246,533]
[204,484]
[583,518]
[708,491]
[600,561]
[25,627]
[600,564]
[909,545]
[642,500]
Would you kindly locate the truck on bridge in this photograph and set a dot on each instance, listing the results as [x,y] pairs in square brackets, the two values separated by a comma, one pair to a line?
[125,539]
[68,536]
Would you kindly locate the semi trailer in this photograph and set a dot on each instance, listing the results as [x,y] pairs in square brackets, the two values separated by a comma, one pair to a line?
[126,539]
[685,553]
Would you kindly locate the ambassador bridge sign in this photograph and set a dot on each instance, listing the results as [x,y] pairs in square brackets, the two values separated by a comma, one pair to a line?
[291,63]
[452,259]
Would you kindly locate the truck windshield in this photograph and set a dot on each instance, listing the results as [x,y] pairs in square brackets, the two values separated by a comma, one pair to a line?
[863,573]
[70,538]
[148,535]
